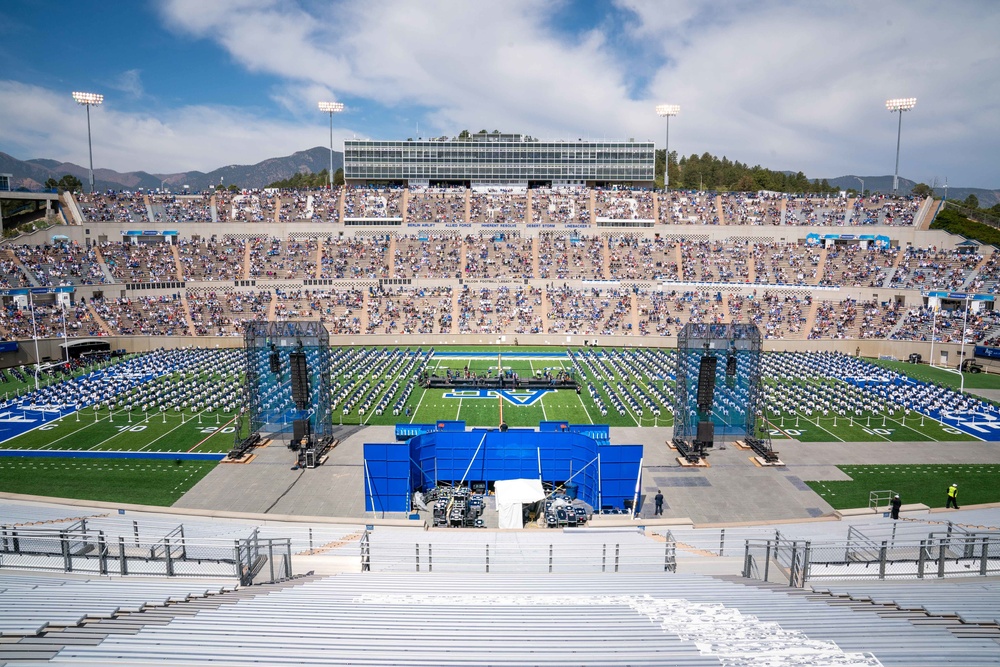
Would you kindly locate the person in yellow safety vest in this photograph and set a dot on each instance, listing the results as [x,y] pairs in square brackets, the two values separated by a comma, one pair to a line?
[952,496]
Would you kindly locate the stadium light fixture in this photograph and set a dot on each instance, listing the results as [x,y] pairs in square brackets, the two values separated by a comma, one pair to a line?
[89,100]
[899,104]
[862,186]
[331,108]
[666,111]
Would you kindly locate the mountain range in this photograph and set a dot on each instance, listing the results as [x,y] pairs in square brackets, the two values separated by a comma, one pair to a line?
[32,174]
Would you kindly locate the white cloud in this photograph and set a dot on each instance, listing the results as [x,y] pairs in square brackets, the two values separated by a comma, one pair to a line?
[130,83]
[39,122]
[787,85]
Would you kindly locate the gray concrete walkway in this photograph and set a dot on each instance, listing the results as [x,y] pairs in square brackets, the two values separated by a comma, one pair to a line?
[731,489]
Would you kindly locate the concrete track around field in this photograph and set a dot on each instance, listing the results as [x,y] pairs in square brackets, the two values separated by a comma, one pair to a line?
[731,489]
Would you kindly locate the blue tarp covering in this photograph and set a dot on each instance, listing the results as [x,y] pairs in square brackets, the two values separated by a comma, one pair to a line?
[395,470]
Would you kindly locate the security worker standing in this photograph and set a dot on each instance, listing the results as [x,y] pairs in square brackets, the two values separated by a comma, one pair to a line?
[952,497]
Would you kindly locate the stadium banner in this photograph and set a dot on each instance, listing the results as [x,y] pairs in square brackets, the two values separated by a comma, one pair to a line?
[983,351]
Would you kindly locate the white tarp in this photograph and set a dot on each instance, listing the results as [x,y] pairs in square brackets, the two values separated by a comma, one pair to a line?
[511,494]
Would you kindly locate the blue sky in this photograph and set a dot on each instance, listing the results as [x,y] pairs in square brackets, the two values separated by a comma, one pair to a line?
[196,84]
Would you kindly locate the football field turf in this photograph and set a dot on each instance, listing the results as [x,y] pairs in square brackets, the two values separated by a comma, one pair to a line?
[622,372]
[132,431]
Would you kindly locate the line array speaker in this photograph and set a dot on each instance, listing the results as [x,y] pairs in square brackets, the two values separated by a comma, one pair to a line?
[706,382]
[300,379]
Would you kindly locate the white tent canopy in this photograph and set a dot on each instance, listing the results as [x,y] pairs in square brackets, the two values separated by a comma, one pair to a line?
[511,494]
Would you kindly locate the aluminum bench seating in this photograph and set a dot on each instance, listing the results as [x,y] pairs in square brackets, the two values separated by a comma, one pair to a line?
[470,619]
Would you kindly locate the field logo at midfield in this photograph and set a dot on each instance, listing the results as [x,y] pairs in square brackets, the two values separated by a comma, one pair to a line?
[514,397]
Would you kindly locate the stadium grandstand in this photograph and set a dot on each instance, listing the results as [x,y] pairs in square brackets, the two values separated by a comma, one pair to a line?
[419,275]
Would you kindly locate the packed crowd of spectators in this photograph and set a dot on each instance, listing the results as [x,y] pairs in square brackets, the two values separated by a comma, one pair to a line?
[128,207]
[436,205]
[778,316]
[248,206]
[370,203]
[638,258]
[947,325]
[143,315]
[338,309]
[624,204]
[564,256]
[171,208]
[498,206]
[851,319]
[850,265]
[777,263]
[50,321]
[410,310]
[58,264]
[139,262]
[226,313]
[499,256]
[563,206]
[289,259]
[715,261]
[588,311]
[886,210]
[500,310]
[813,211]
[210,259]
[746,208]
[987,278]
[361,257]
[428,256]
[689,208]
[933,268]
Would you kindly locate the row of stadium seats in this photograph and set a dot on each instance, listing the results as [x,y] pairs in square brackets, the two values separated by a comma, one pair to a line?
[549,256]
[495,310]
[578,206]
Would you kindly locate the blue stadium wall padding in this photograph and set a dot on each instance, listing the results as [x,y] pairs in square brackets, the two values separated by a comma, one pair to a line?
[86,454]
[395,470]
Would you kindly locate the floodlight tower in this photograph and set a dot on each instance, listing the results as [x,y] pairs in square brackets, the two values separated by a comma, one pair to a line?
[899,104]
[666,111]
[89,100]
[331,108]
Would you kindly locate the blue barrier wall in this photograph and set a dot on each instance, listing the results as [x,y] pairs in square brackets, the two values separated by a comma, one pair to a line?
[395,470]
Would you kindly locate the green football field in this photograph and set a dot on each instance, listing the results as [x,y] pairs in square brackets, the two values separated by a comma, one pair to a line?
[131,426]
[920,483]
[560,405]
[133,431]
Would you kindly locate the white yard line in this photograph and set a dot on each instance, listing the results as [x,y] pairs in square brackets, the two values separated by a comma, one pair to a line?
[417,409]
[166,434]
[68,435]
[585,410]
